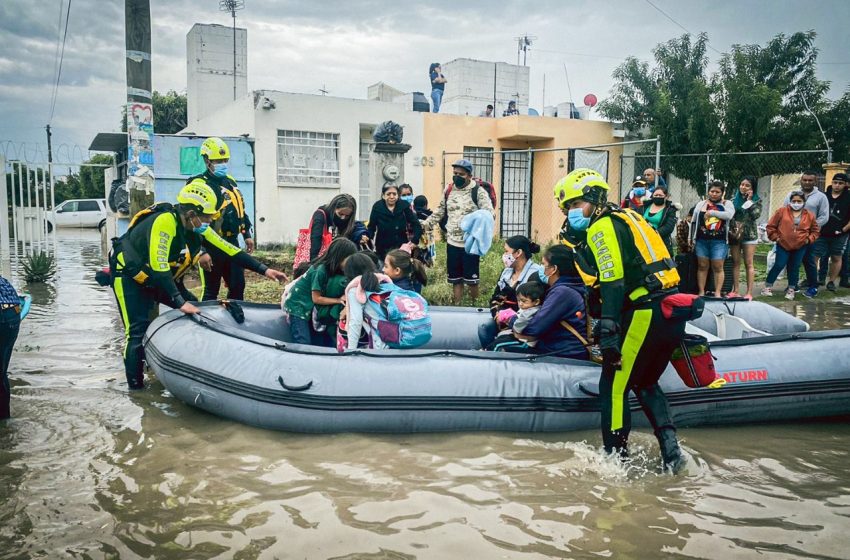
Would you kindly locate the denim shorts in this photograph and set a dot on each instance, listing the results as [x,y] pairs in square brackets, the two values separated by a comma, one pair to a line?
[712,249]
[830,245]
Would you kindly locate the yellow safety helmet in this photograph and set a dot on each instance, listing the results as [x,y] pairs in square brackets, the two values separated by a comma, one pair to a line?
[585,184]
[214,148]
[200,195]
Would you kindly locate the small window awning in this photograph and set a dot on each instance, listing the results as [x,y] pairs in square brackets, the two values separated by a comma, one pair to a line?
[109,142]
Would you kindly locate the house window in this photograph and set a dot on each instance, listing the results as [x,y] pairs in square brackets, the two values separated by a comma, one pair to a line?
[307,159]
[482,161]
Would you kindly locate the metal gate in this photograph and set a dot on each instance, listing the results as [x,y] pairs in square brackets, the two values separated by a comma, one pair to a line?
[515,215]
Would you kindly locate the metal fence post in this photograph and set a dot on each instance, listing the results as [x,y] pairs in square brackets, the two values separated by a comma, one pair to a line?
[657,160]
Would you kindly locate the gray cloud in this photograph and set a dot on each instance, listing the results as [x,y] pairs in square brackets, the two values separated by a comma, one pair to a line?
[347,45]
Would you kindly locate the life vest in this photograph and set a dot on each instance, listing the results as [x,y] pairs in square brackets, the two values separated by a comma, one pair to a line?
[124,256]
[656,263]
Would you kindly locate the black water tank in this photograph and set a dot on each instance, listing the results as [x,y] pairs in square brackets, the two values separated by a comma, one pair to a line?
[420,102]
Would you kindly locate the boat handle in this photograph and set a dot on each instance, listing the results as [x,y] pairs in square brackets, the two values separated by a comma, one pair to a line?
[294,387]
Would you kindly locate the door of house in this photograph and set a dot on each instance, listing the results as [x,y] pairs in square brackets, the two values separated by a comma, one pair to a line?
[515,202]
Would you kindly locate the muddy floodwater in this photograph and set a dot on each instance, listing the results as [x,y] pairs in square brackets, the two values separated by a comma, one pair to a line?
[88,470]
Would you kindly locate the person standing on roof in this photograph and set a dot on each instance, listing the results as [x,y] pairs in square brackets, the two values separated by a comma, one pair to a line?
[511,110]
[462,197]
[438,86]
[215,265]
[637,329]
[160,246]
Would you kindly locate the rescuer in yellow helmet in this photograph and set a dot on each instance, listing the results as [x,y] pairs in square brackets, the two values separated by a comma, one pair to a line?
[635,275]
[232,222]
[147,262]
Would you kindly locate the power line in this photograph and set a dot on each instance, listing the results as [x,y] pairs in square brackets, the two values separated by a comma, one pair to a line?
[58,39]
[61,59]
[663,13]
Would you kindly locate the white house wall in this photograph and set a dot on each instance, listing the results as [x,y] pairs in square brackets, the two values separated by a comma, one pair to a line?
[283,210]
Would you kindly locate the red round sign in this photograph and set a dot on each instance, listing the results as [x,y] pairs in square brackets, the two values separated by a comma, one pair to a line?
[590,100]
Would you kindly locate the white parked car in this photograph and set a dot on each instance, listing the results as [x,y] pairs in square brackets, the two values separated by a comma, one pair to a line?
[85,212]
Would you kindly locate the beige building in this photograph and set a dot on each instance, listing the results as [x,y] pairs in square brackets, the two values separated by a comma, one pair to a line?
[523,156]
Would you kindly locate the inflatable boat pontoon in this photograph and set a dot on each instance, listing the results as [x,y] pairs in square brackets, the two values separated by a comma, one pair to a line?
[252,373]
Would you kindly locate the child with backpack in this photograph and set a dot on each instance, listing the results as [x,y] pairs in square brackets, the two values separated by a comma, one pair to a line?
[393,317]
[363,280]
[406,272]
[316,299]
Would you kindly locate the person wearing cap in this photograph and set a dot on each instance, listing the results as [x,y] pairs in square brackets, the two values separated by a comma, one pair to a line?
[834,234]
[637,337]
[233,221]
[147,262]
[462,197]
[511,110]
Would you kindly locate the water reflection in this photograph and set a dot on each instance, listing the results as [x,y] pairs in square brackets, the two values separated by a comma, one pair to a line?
[90,470]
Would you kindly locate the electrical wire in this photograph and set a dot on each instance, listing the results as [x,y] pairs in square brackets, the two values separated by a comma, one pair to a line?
[663,13]
[61,59]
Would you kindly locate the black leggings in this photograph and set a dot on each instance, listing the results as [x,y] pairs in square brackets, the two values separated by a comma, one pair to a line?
[223,268]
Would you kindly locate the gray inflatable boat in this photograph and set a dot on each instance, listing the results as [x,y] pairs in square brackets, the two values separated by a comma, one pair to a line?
[252,373]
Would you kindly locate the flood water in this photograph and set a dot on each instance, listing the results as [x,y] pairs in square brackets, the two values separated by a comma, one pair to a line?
[88,470]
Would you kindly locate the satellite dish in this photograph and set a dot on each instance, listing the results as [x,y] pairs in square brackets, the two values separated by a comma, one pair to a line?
[533,112]
[590,100]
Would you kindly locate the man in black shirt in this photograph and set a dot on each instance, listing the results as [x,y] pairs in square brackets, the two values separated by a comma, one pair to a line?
[833,235]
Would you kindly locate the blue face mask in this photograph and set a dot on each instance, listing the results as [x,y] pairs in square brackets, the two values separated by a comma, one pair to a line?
[220,169]
[201,228]
[577,219]
[640,191]
[543,278]
[408,199]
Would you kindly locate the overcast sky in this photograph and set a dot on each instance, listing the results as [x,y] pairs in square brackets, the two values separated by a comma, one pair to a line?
[346,45]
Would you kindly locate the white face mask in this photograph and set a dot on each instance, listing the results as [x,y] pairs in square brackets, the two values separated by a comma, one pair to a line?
[795,205]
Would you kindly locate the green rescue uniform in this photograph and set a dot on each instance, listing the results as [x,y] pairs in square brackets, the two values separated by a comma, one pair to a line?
[148,263]
[233,222]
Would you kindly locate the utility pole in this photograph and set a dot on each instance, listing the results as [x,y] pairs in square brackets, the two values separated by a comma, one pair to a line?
[232,6]
[50,166]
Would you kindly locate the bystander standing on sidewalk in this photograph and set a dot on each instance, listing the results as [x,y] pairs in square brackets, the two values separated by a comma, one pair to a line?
[793,229]
[817,204]
[833,235]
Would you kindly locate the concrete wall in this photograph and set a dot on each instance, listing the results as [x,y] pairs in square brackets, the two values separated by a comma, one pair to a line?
[469,86]
[209,68]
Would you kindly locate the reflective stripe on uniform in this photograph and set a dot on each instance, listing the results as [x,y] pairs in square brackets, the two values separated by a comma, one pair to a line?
[603,242]
[118,288]
[634,340]
[163,231]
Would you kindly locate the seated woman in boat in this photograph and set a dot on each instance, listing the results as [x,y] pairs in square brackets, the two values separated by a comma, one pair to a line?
[563,313]
[519,268]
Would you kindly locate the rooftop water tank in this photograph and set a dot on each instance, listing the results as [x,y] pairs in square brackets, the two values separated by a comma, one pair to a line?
[420,102]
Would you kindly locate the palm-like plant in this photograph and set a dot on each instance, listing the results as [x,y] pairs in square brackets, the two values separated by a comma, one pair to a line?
[39,267]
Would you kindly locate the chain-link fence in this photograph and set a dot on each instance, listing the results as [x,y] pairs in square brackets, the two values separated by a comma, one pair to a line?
[688,175]
[524,179]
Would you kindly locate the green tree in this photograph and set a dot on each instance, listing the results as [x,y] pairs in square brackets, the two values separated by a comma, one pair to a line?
[169,113]
[671,100]
[836,124]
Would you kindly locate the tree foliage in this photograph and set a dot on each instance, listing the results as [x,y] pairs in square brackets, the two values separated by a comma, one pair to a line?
[169,113]
[755,102]
[88,182]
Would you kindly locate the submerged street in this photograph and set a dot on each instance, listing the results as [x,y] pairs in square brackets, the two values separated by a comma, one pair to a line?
[89,470]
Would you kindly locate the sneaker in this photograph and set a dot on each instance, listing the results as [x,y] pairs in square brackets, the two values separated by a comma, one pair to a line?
[789,294]
[830,286]
[810,292]
[768,292]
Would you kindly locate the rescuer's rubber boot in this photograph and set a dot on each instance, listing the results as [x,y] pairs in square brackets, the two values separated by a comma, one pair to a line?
[654,405]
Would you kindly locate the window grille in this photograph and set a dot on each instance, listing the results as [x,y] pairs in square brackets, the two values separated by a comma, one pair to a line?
[482,161]
[307,159]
